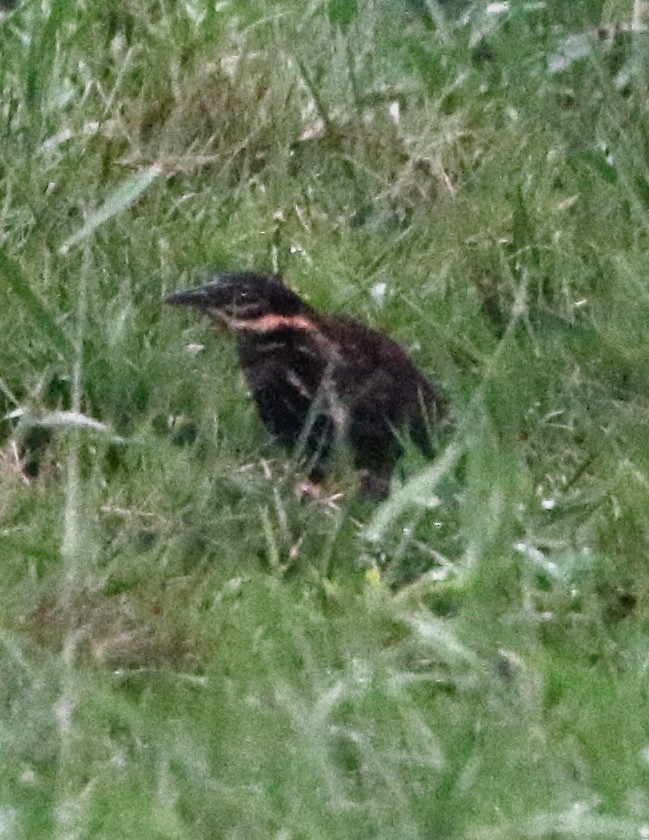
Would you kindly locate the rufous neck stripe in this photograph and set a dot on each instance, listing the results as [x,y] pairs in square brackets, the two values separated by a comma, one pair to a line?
[268,323]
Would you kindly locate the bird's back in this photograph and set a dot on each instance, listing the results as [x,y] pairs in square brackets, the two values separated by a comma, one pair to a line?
[381,383]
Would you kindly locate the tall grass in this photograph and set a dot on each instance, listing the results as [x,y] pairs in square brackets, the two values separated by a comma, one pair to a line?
[187,648]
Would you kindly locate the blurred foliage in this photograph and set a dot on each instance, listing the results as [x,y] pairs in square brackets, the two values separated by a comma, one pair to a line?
[188,648]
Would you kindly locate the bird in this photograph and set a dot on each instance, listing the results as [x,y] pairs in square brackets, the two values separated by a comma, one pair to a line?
[322,380]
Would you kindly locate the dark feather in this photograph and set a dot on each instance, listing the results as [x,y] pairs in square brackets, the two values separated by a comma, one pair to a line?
[318,379]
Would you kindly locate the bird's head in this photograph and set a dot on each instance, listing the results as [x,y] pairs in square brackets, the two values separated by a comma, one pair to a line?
[245,301]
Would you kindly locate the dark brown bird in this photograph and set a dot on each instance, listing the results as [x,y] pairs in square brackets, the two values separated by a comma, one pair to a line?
[321,379]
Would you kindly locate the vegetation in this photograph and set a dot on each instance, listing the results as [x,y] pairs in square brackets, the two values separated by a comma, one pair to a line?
[190,650]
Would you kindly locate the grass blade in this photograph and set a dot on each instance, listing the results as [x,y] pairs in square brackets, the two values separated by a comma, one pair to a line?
[19,284]
[122,198]
[416,492]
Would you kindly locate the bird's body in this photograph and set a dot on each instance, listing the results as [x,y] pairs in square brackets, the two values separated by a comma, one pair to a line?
[321,379]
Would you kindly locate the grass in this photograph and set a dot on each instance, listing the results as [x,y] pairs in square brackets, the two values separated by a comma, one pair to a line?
[187,649]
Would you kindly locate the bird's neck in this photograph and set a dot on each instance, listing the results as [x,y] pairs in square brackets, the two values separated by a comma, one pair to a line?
[271,323]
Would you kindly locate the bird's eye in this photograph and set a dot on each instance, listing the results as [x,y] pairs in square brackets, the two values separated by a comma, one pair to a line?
[242,296]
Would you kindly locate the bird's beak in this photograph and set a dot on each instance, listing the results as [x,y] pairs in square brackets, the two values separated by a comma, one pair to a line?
[199,297]
[209,299]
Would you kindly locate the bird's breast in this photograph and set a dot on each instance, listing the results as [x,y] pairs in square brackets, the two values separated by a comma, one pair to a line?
[283,357]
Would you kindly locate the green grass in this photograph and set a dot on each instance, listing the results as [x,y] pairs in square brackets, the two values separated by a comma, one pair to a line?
[187,649]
